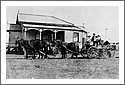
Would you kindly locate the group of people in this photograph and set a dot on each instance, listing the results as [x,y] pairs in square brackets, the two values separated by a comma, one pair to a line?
[95,40]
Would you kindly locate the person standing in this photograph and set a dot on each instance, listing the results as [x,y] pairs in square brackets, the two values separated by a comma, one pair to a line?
[93,39]
[17,41]
[17,44]
[98,40]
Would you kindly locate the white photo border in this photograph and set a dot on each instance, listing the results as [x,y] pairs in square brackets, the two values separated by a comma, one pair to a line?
[120,4]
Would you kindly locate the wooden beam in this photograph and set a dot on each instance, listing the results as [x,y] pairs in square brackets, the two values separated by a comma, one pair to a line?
[55,28]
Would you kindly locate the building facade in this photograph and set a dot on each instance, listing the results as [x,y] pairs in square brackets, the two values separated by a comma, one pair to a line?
[46,28]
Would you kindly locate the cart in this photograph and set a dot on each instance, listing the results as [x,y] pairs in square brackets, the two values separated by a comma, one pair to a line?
[107,51]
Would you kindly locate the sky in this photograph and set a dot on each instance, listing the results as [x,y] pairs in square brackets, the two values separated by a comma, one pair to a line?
[96,19]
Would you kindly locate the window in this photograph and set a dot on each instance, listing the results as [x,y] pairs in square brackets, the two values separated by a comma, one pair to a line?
[76,37]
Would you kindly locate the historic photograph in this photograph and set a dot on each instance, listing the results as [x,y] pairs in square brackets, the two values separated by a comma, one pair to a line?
[62,42]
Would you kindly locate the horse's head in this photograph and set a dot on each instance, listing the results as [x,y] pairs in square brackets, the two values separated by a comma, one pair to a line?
[23,42]
[58,43]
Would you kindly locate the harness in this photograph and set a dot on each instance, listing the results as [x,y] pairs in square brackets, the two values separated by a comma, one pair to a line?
[69,49]
[32,48]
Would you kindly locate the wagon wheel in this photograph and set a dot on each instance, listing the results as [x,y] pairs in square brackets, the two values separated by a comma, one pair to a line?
[106,54]
[112,53]
[92,52]
[100,53]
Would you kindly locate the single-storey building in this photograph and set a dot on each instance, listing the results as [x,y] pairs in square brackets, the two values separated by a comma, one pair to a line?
[46,28]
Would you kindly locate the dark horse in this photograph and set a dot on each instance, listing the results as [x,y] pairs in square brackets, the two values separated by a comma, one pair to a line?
[37,47]
[42,47]
[73,49]
[65,48]
[28,49]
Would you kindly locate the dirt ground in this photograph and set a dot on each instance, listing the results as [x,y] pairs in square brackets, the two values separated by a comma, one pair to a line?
[62,68]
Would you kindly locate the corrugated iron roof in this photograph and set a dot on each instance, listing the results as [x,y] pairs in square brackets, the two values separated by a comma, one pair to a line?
[41,18]
[39,21]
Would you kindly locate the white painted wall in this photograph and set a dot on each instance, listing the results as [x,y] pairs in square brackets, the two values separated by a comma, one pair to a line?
[68,36]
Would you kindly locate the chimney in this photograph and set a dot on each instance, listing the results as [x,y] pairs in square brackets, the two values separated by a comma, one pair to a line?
[83,24]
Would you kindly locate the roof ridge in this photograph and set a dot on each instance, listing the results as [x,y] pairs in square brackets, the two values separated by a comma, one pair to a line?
[34,14]
[47,16]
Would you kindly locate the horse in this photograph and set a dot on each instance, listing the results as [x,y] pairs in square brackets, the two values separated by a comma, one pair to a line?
[65,48]
[36,47]
[73,49]
[28,48]
[42,47]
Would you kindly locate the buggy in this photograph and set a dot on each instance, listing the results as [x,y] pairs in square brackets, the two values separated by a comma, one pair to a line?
[103,51]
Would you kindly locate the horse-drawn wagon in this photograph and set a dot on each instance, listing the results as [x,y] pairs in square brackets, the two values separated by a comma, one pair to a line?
[98,52]
[67,50]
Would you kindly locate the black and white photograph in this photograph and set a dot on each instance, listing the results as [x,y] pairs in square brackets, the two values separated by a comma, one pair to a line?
[62,42]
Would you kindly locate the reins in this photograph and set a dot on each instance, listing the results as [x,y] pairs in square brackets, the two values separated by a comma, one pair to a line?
[69,49]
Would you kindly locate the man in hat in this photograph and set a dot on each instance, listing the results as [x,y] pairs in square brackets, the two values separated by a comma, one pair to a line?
[93,39]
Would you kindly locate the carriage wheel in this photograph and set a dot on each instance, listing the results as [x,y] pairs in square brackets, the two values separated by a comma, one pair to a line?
[106,54]
[92,53]
[112,53]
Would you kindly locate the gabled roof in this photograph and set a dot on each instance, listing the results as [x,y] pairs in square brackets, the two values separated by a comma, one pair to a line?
[46,22]
[41,18]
